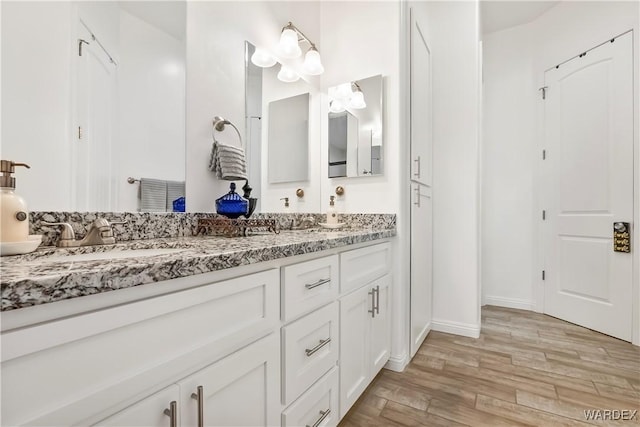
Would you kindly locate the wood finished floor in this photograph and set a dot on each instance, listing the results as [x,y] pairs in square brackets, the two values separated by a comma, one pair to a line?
[525,369]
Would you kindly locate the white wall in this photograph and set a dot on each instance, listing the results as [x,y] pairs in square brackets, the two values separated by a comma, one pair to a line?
[151,93]
[508,150]
[452,30]
[559,34]
[360,40]
[36,87]
[216,33]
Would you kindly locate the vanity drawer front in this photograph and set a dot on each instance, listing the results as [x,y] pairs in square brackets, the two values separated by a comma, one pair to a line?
[309,285]
[319,402]
[98,361]
[309,349]
[360,266]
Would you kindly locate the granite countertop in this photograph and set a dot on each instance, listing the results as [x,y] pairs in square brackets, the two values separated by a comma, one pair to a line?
[45,276]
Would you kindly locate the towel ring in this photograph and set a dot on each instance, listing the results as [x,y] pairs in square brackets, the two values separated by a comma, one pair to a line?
[218,124]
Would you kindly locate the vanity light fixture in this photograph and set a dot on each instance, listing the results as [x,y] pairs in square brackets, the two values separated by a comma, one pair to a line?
[287,74]
[357,98]
[335,106]
[289,47]
[262,58]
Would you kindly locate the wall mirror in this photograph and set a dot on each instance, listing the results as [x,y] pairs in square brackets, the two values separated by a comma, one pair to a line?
[356,128]
[289,139]
[94,93]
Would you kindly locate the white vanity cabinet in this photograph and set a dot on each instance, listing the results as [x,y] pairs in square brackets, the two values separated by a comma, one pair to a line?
[111,366]
[289,342]
[364,320]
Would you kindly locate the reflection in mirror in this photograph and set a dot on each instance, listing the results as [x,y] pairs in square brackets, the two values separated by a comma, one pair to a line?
[355,128]
[253,122]
[101,88]
[288,151]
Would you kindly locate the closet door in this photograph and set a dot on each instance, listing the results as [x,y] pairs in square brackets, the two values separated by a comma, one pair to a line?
[421,187]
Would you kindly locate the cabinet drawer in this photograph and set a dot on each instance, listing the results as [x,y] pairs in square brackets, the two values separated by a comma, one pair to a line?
[318,405]
[361,266]
[98,361]
[308,285]
[309,349]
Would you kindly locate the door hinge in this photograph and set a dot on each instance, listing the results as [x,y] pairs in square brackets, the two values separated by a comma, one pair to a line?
[544,91]
[544,154]
[544,215]
[79,132]
[543,275]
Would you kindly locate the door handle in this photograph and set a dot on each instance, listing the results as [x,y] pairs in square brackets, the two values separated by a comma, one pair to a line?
[377,293]
[621,237]
[323,415]
[172,413]
[372,292]
[417,160]
[199,396]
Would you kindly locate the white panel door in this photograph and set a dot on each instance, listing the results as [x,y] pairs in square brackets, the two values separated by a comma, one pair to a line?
[148,412]
[589,172]
[421,111]
[421,264]
[421,187]
[242,389]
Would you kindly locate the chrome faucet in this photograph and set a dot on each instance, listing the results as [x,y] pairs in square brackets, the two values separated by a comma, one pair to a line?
[100,233]
[304,224]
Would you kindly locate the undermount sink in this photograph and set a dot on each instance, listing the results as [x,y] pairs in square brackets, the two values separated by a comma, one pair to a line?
[116,254]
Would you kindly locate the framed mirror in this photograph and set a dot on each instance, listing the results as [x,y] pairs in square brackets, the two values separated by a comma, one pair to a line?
[356,128]
[93,93]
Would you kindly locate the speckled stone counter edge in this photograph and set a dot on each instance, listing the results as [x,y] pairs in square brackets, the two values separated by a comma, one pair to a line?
[142,226]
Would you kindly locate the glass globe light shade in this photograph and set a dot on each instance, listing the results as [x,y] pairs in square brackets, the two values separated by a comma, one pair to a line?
[288,46]
[287,75]
[336,106]
[343,92]
[262,58]
[357,100]
[312,64]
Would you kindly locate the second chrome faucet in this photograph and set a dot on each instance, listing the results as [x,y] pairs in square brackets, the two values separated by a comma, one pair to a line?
[100,233]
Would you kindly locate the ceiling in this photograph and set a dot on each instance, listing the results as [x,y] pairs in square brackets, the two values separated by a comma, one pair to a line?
[168,16]
[500,15]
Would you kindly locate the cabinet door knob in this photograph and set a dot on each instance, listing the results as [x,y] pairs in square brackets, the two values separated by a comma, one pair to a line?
[200,398]
[172,413]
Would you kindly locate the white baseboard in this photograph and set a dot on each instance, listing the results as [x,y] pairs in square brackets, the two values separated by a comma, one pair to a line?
[464,329]
[397,363]
[521,304]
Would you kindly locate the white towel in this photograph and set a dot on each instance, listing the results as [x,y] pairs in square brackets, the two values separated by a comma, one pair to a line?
[153,195]
[175,190]
[228,162]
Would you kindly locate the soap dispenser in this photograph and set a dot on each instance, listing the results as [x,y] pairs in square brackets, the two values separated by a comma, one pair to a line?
[14,216]
[332,216]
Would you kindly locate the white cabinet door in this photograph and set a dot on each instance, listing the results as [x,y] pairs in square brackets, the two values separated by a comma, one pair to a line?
[242,389]
[380,325]
[355,326]
[421,111]
[421,264]
[148,412]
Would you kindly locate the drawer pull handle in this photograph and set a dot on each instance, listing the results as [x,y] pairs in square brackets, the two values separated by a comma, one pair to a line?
[323,415]
[321,344]
[172,413]
[318,283]
[200,398]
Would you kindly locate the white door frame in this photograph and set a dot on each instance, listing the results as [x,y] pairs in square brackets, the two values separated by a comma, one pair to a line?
[538,258]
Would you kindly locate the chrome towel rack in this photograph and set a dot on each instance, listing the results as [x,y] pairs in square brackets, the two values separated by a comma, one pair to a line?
[219,125]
